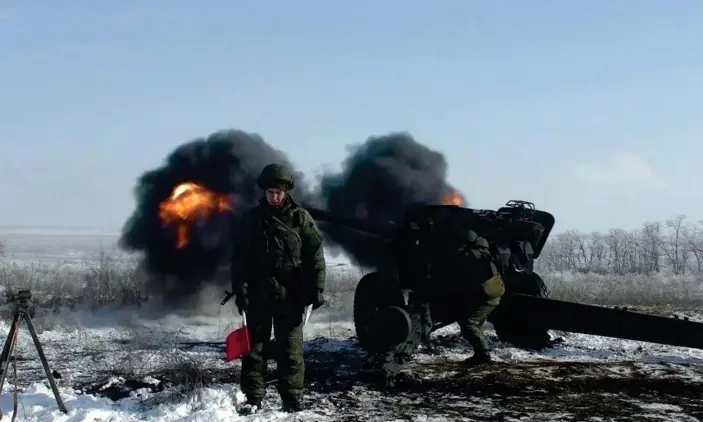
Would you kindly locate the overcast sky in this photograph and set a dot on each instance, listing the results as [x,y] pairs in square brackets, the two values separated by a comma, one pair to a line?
[593,110]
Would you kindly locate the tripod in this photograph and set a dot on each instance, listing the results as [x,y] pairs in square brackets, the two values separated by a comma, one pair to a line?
[21,312]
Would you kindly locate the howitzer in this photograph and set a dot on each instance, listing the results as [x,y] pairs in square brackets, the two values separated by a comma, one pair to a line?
[395,311]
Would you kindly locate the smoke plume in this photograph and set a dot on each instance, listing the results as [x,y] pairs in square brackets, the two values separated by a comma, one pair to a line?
[226,162]
[379,181]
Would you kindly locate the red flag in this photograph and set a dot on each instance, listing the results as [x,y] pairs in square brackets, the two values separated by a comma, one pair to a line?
[237,344]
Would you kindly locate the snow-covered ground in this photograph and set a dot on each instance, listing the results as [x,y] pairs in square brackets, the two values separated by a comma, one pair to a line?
[57,246]
[111,364]
[152,365]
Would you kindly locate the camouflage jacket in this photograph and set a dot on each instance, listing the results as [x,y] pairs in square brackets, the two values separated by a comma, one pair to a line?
[478,250]
[279,248]
[485,271]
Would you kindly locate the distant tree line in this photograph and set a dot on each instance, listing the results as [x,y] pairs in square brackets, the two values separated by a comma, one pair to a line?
[674,246]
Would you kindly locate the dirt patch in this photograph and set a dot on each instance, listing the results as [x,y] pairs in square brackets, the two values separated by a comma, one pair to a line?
[576,391]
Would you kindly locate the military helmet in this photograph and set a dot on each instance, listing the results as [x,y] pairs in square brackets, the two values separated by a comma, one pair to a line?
[276,176]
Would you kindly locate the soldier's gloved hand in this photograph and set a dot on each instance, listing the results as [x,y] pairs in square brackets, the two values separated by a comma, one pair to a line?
[317,299]
[241,299]
[242,304]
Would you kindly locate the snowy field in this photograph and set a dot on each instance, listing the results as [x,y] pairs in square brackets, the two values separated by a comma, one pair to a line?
[143,363]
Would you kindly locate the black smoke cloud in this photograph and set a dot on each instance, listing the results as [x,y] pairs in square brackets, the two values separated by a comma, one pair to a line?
[378,181]
[226,162]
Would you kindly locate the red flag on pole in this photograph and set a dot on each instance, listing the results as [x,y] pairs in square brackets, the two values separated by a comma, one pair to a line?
[237,342]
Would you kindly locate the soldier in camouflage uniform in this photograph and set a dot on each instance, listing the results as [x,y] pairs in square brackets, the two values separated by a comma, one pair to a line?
[278,268]
[483,294]
[467,286]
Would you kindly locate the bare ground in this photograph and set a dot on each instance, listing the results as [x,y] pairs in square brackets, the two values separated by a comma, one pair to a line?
[442,386]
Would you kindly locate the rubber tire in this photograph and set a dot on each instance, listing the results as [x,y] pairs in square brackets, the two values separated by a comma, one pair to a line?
[375,291]
[511,328]
[396,326]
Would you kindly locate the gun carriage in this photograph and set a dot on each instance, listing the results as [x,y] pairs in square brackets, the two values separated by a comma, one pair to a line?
[396,309]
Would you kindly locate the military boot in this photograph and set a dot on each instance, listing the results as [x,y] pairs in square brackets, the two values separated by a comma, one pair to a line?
[479,359]
[292,404]
[481,356]
[251,406]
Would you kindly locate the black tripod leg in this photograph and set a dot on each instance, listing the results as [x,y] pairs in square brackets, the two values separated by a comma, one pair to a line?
[9,347]
[6,347]
[45,363]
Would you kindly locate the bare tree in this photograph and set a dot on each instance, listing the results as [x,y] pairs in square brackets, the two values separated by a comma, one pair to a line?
[616,241]
[569,242]
[650,244]
[599,253]
[675,247]
[694,239]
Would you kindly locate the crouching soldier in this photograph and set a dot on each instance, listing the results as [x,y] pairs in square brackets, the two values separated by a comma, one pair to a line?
[482,296]
[278,268]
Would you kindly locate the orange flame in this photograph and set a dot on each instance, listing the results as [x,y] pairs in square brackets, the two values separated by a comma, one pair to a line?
[190,202]
[453,198]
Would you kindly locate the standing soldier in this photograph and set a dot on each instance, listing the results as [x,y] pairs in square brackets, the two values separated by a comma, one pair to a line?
[483,296]
[278,268]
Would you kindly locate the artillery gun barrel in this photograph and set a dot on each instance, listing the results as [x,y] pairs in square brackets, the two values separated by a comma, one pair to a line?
[385,231]
[608,322]
[532,311]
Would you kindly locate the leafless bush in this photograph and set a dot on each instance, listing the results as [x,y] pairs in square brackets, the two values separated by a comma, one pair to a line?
[186,375]
[656,289]
[109,282]
[627,289]
[341,282]
[96,283]
[151,360]
[106,281]
[673,246]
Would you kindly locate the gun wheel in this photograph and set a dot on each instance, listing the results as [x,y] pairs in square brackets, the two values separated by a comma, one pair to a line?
[512,329]
[375,291]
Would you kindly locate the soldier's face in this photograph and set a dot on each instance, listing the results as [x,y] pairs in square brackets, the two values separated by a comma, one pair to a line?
[275,196]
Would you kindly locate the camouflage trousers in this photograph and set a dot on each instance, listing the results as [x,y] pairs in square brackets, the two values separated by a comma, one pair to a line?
[471,324]
[286,320]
